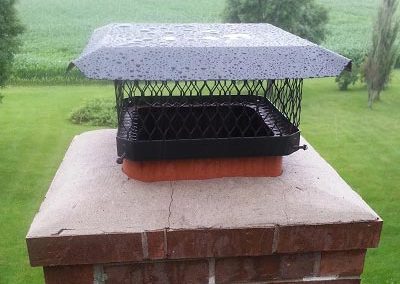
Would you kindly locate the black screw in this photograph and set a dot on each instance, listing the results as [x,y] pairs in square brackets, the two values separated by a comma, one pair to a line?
[120,159]
[304,147]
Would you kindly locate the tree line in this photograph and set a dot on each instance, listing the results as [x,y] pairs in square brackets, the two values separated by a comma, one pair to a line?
[309,19]
[305,18]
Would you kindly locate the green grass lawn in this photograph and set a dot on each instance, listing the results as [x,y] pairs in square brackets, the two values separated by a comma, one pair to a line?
[363,145]
[57,30]
[34,135]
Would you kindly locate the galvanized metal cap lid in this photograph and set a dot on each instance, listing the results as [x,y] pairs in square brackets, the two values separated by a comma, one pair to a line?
[204,52]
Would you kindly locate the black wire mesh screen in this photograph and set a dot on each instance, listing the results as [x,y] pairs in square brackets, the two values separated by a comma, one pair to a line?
[161,110]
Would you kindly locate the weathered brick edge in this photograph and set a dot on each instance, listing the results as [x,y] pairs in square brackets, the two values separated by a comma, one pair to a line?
[292,268]
[81,275]
[201,243]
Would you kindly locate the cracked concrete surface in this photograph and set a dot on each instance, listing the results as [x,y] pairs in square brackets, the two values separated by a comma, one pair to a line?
[91,195]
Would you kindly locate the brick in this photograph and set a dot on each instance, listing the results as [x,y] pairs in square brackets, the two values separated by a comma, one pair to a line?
[220,243]
[82,274]
[241,269]
[294,266]
[343,263]
[85,249]
[123,274]
[348,236]
[195,272]
[337,281]
[155,245]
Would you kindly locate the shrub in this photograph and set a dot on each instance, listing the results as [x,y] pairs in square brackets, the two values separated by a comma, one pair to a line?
[97,112]
[304,18]
[347,78]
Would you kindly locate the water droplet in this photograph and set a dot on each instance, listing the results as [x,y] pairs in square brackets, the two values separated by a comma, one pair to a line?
[169,38]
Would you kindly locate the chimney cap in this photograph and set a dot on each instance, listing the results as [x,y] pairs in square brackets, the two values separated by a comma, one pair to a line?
[184,52]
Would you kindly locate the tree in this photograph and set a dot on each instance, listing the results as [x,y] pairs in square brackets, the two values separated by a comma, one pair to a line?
[383,52]
[10,28]
[304,18]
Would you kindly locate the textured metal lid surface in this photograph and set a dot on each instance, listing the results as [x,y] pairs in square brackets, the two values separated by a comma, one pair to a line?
[204,52]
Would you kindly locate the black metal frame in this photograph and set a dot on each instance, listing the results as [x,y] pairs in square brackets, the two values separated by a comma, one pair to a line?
[160,120]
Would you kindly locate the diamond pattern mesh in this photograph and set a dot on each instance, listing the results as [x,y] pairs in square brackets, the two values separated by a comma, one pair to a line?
[161,110]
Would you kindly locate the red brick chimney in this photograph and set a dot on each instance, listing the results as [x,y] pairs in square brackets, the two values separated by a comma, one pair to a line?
[213,188]
[97,226]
